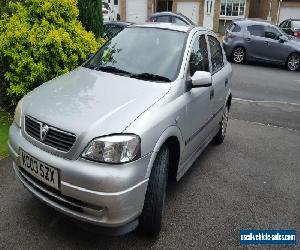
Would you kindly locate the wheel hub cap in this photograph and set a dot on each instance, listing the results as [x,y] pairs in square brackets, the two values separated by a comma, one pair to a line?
[294,62]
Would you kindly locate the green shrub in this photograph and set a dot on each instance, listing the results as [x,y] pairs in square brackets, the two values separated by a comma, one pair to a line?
[40,40]
[90,15]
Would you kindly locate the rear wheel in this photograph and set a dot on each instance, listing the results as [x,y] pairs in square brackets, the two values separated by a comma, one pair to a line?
[151,218]
[293,62]
[220,136]
[238,55]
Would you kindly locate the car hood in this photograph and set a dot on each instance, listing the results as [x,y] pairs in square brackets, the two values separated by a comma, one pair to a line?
[94,102]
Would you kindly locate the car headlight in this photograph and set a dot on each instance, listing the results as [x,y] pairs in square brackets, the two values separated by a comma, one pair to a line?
[119,148]
[18,113]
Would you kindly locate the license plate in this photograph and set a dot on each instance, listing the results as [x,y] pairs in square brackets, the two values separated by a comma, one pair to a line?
[39,170]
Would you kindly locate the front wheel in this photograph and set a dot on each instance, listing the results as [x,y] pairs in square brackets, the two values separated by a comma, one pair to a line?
[238,55]
[220,136]
[150,220]
[293,62]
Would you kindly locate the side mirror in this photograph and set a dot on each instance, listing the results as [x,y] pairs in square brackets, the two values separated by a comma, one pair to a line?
[201,79]
[282,39]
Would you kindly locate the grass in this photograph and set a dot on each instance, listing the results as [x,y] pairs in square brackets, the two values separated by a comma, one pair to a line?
[5,120]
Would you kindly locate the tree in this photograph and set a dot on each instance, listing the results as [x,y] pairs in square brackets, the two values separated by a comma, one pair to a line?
[90,15]
[39,40]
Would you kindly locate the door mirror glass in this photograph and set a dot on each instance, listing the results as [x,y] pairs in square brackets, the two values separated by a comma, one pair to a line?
[201,79]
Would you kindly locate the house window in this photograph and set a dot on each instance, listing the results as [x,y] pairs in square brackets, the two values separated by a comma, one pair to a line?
[209,4]
[235,8]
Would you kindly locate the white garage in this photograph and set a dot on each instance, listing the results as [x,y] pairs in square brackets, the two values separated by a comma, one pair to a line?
[136,11]
[289,12]
[189,9]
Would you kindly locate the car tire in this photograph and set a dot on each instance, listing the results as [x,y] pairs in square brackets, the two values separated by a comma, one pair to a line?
[293,62]
[238,55]
[150,220]
[220,136]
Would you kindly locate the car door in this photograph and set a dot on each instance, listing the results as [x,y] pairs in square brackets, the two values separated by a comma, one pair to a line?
[220,77]
[198,100]
[274,50]
[255,41]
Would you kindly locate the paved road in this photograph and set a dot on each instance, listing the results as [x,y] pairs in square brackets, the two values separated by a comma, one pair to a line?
[267,95]
[251,181]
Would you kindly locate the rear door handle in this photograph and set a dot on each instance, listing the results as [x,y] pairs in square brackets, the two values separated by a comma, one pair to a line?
[268,44]
[248,39]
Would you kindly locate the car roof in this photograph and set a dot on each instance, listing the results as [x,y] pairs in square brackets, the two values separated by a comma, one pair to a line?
[169,13]
[117,23]
[169,26]
[249,21]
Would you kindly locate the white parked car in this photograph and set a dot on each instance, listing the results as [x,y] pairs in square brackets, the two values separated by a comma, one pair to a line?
[108,13]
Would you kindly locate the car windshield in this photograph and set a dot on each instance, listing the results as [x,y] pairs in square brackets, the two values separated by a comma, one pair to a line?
[296,24]
[148,53]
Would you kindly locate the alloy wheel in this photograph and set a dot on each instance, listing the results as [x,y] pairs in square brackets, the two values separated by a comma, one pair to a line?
[238,55]
[293,62]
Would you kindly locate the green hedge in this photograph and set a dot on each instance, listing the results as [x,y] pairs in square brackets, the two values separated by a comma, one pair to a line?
[40,40]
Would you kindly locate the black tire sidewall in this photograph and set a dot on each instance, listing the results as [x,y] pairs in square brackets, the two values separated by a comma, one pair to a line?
[150,220]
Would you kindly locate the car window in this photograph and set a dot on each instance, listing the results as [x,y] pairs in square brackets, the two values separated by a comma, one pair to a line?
[178,21]
[139,50]
[235,28]
[199,56]
[216,54]
[272,33]
[296,24]
[112,32]
[163,19]
[282,25]
[256,30]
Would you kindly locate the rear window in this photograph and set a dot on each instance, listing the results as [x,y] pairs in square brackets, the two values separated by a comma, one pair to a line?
[256,30]
[296,24]
[234,28]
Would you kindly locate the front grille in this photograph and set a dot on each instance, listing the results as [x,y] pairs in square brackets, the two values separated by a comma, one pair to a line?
[54,137]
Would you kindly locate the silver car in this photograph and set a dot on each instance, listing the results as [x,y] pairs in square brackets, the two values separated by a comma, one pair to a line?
[100,143]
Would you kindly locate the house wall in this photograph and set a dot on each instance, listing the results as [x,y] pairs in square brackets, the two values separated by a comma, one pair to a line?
[260,9]
[201,8]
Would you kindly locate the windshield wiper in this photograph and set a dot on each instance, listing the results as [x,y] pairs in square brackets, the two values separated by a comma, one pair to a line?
[149,76]
[112,69]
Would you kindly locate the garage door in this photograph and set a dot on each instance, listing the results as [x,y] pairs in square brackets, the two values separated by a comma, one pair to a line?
[289,12]
[136,11]
[189,9]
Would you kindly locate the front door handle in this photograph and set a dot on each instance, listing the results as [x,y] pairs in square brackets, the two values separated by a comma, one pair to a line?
[267,43]
[212,93]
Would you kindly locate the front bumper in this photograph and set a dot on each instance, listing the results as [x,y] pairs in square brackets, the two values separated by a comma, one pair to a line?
[106,195]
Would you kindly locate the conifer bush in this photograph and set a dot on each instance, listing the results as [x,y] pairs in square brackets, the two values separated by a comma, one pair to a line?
[39,40]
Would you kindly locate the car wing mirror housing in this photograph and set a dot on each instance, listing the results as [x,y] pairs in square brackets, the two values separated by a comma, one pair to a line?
[282,39]
[201,79]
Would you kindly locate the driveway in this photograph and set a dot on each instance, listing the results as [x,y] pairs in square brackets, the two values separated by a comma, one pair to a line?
[251,181]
